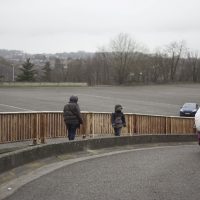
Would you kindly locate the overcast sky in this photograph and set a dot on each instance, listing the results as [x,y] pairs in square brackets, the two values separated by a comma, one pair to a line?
[50,26]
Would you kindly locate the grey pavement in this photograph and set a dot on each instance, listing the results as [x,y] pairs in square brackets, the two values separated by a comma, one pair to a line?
[152,99]
[139,173]
[13,146]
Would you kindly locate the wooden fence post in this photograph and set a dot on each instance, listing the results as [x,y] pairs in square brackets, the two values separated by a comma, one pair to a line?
[35,125]
[90,124]
[135,124]
[84,126]
[42,128]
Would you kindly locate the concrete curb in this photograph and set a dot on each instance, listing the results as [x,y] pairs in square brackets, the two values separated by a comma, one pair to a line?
[14,159]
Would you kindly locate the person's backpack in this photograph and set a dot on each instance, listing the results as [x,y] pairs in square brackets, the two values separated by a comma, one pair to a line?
[118,122]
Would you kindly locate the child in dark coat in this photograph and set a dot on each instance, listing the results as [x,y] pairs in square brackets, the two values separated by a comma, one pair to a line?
[118,120]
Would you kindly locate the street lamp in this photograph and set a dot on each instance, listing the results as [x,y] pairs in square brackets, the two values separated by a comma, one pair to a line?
[13,73]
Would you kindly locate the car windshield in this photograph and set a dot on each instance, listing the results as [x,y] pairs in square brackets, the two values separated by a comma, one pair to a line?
[189,105]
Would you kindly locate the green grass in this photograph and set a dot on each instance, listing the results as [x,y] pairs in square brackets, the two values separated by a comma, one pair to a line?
[41,84]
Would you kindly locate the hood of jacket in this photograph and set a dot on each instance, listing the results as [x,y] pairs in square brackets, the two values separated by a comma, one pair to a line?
[118,108]
[73,99]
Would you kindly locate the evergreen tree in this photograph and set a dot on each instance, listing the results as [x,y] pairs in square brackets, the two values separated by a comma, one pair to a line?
[27,72]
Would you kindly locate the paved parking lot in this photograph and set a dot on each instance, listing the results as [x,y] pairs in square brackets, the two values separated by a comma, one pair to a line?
[153,99]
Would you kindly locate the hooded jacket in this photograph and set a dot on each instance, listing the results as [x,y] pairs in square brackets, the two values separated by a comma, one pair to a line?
[118,118]
[71,112]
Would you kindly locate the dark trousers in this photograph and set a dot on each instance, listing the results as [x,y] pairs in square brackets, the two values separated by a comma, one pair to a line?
[117,131]
[71,131]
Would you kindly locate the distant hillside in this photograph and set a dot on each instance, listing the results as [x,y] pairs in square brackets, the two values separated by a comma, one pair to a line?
[20,56]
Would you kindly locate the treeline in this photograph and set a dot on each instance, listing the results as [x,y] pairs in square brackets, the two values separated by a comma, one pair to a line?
[123,61]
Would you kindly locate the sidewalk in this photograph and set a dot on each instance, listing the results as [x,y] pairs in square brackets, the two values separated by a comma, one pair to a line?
[13,146]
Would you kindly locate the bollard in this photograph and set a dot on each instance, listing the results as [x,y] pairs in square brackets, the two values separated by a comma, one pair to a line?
[42,128]
[34,141]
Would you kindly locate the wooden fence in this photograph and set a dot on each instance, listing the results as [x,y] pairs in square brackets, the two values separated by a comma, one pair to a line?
[40,125]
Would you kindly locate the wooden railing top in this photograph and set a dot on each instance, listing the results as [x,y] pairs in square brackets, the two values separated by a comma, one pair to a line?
[90,112]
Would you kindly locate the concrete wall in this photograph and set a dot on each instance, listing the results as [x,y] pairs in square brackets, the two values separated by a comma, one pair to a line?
[20,157]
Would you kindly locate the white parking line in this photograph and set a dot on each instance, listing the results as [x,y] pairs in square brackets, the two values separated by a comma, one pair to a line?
[15,107]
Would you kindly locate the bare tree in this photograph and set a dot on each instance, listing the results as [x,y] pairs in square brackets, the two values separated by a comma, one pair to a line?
[174,52]
[160,71]
[57,72]
[122,55]
[76,70]
[47,72]
[5,70]
[192,59]
[101,68]
[91,71]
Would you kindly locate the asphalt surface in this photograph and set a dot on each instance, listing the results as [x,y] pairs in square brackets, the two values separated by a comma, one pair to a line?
[154,173]
[164,173]
[156,99]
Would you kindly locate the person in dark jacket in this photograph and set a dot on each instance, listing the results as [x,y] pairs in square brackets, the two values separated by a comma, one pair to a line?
[118,120]
[72,117]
